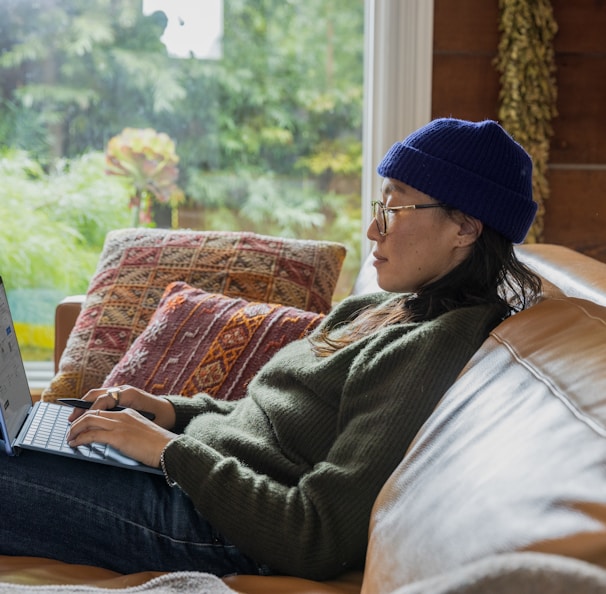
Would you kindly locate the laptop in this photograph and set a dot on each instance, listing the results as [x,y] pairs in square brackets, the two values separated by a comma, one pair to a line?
[41,426]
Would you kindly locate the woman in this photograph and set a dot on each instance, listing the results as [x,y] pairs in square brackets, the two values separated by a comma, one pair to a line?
[283,481]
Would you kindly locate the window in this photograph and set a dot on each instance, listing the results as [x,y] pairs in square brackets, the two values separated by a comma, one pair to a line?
[264,108]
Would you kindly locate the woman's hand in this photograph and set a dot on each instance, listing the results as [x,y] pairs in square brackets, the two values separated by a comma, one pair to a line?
[125,430]
[129,397]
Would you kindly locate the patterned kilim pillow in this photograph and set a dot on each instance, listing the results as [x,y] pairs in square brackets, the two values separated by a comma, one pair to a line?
[136,266]
[206,342]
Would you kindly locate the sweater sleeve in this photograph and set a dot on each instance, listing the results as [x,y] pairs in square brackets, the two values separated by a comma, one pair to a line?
[187,408]
[318,527]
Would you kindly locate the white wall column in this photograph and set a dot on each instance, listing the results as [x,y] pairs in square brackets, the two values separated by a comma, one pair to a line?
[398,60]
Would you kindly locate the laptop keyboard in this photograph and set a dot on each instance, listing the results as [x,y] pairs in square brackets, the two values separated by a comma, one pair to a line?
[49,429]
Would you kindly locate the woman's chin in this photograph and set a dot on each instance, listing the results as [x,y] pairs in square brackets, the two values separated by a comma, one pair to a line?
[392,285]
[385,285]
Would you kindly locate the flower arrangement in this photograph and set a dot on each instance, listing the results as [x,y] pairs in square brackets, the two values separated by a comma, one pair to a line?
[148,158]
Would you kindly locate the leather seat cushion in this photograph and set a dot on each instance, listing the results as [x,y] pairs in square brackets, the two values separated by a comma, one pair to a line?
[513,459]
[34,571]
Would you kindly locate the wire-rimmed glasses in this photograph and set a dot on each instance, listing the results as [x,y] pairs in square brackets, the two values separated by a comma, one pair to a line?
[379,212]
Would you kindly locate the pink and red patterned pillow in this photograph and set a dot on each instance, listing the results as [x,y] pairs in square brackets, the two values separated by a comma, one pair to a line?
[136,266]
[206,342]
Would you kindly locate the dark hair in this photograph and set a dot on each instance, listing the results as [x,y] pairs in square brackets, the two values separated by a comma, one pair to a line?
[492,273]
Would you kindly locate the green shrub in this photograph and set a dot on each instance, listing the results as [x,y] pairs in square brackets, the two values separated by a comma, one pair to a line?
[52,225]
[52,228]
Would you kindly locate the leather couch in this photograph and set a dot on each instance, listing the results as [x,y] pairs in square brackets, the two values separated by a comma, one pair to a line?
[510,467]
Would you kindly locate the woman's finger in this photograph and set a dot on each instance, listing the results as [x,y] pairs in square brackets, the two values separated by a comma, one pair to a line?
[91,419]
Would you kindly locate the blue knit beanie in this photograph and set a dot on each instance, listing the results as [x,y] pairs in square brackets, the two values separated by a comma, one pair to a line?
[475,167]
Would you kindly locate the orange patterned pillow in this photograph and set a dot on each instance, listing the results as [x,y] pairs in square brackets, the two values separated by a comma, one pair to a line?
[136,266]
[205,342]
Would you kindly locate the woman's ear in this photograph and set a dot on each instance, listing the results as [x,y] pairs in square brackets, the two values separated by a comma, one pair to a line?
[470,229]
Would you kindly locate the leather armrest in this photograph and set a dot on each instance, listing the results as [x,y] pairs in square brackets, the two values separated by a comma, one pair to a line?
[66,314]
[568,271]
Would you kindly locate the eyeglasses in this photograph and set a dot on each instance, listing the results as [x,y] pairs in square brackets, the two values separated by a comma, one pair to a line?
[379,212]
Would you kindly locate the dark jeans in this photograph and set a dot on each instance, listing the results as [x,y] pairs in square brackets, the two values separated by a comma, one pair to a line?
[124,520]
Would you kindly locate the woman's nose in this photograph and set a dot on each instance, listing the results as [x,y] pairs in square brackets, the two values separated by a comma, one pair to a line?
[372,232]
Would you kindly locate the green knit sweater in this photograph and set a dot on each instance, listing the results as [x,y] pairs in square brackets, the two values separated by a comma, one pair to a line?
[289,473]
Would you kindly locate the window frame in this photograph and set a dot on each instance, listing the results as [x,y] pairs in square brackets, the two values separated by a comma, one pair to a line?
[398,60]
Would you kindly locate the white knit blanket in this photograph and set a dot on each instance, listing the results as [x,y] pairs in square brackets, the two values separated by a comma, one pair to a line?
[171,583]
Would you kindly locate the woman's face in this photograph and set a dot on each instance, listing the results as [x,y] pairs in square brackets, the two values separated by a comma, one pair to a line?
[420,245]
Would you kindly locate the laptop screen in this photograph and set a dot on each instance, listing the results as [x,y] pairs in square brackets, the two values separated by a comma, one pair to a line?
[15,398]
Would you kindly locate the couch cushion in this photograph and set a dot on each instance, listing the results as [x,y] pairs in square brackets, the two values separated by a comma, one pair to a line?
[34,571]
[136,265]
[566,272]
[513,459]
[207,342]
[516,573]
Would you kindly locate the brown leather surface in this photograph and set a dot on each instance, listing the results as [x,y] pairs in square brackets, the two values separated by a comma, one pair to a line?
[36,571]
[66,314]
[574,274]
[513,458]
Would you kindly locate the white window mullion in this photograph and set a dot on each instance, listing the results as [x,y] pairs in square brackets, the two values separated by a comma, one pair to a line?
[397,82]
